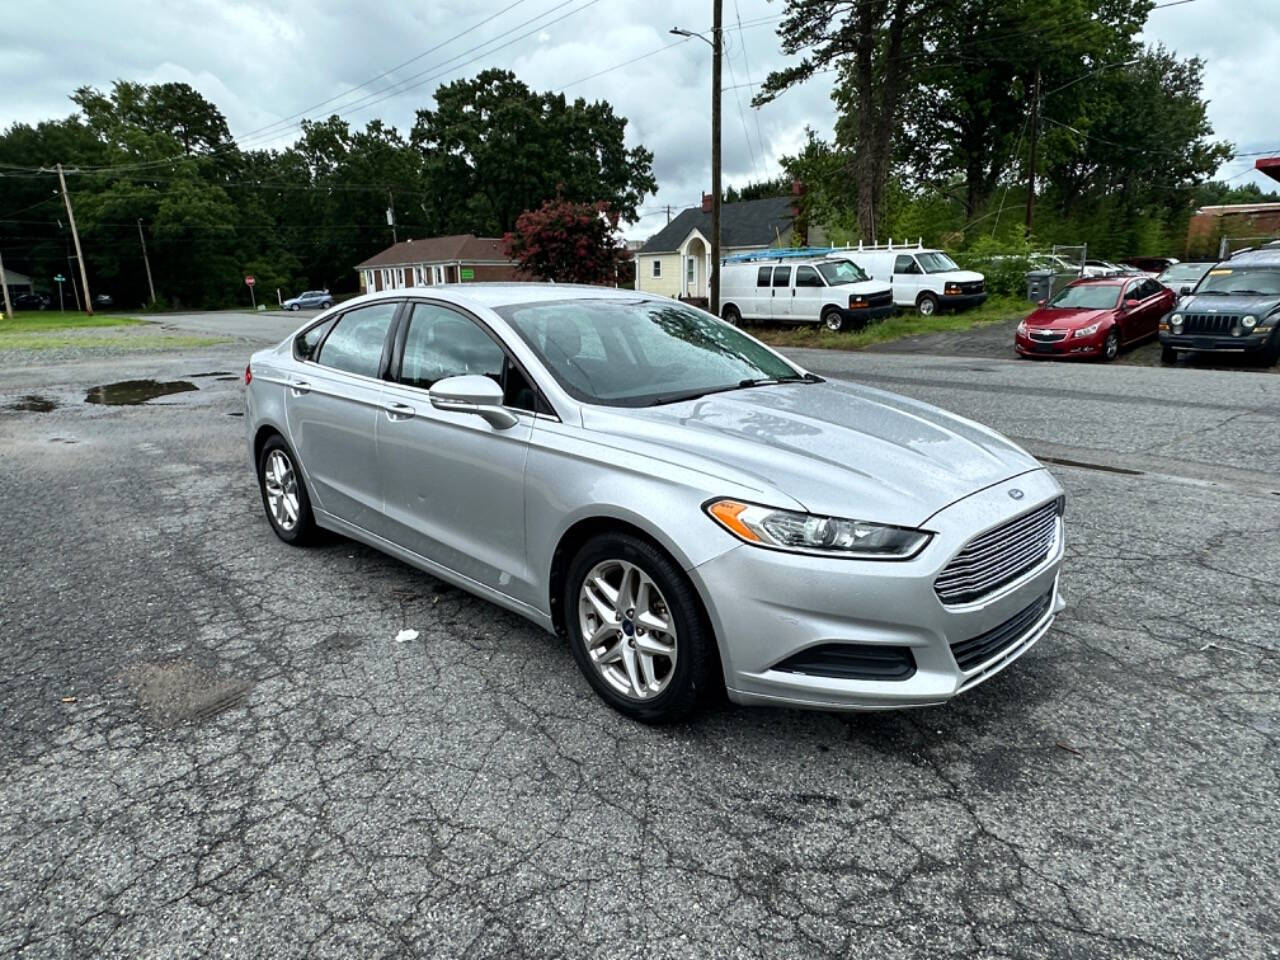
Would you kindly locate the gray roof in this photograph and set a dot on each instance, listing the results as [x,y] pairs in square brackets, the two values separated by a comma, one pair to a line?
[748,223]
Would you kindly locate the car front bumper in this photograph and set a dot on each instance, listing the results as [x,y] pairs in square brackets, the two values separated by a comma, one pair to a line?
[1214,343]
[864,315]
[961,300]
[1071,346]
[767,606]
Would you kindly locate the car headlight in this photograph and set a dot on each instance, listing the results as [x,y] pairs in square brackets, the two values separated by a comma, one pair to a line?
[1088,331]
[808,533]
[1175,322]
[1248,322]
[1022,328]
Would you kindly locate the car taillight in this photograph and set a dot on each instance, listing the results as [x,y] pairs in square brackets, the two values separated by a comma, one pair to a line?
[248,375]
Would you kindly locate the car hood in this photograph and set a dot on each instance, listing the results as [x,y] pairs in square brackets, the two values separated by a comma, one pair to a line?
[835,448]
[1068,319]
[959,276]
[1258,305]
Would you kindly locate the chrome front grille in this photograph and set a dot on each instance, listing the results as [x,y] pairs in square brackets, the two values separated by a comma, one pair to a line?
[1047,336]
[999,556]
[1208,323]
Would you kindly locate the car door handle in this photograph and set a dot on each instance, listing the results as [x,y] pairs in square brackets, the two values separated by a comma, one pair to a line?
[300,386]
[399,411]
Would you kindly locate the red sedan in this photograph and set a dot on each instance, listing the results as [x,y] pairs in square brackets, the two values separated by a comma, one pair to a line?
[1095,317]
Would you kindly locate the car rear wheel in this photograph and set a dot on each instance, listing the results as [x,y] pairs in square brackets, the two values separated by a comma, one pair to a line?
[284,494]
[927,305]
[1111,346]
[732,316]
[637,630]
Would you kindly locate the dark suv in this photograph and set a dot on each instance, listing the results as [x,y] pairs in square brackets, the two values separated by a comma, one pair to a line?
[1235,308]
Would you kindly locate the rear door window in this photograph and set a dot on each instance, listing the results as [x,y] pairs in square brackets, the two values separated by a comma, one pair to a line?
[356,343]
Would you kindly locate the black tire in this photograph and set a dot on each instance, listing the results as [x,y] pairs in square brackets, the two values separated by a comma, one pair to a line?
[731,315]
[694,673]
[926,305]
[326,305]
[1270,354]
[1168,355]
[833,319]
[294,307]
[1110,346]
[304,531]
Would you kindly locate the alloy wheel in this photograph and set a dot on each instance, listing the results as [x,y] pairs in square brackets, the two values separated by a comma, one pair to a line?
[281,484]
[627,629]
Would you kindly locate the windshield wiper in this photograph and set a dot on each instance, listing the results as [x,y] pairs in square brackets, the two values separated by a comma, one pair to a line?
[769,381]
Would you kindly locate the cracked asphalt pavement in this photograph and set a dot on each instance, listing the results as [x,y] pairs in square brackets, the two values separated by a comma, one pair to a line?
[213,745]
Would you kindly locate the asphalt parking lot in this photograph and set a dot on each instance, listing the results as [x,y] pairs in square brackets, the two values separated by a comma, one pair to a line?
[214,746]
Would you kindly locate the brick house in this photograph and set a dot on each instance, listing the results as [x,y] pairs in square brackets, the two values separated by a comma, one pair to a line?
[462,258]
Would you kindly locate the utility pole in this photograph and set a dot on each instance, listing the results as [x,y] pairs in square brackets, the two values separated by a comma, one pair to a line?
[668,213]
[4,285]
[143,240]
[391,216]
[717,47]
[1031,161]
[75,235]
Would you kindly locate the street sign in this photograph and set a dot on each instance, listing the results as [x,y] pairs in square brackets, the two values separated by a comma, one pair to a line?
[59,279]
[249,280]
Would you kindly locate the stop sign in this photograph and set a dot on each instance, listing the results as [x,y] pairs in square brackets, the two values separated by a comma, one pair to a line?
[249,281]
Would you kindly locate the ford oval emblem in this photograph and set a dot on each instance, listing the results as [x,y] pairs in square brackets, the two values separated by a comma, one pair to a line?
[1016,493]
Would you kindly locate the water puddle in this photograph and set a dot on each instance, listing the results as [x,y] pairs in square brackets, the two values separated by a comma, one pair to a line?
[228,378]
[211,373]
[235,414]
[34,403]
[129,392]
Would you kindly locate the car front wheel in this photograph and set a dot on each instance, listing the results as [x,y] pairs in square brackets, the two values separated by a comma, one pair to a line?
[1111,346]
[284,494]
[294,306]
[1168,355]
[637,630]
[833,319]
[927,305]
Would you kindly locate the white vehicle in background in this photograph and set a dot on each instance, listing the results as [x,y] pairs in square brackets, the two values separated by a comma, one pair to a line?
[922,278]
[801,286]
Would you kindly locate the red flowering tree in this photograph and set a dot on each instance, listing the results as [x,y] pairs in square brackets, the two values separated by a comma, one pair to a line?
[569,243]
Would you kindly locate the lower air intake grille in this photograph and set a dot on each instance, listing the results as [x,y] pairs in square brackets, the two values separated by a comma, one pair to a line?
[976,651]
[852,661]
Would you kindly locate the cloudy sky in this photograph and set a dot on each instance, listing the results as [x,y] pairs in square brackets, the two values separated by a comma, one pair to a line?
[264,63]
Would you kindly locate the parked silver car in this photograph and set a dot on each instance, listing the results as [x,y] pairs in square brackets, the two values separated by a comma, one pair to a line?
[679,501]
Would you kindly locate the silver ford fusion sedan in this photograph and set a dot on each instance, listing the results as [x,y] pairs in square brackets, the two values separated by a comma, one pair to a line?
[681,503]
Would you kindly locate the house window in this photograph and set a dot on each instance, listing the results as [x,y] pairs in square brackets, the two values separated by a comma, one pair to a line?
[657,268]
[437,274]
[690,268]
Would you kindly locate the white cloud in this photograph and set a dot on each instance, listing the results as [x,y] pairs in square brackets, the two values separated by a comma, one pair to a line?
[266,60]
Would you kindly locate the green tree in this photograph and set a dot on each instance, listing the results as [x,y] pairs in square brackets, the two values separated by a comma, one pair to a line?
[494,149]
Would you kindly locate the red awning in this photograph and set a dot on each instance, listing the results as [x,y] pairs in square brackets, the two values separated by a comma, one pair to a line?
[1270,166]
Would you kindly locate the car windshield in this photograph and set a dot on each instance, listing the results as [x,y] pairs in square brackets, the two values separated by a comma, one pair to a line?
[1189,272]
[836,272]
[1245,281]
[936,262]
[1087,296]
[634,353]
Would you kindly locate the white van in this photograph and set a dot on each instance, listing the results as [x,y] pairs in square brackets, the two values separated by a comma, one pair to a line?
[794,286]
[922,278]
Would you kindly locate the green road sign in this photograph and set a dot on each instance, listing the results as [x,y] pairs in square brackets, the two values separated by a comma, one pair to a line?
[468,273]
[59,278]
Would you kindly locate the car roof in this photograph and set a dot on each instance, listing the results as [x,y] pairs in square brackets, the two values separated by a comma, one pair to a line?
[1261,257]
[1105,281]
[504,294]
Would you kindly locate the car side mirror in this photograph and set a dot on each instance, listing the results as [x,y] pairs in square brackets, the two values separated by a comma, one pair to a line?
[1184,291]
[473,394]
[1131,304]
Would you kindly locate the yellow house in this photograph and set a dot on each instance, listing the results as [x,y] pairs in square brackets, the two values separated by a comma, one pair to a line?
[676,261]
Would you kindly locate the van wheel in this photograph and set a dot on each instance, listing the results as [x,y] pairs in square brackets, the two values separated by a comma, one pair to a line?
[731,315]
[927,305]
[833,319]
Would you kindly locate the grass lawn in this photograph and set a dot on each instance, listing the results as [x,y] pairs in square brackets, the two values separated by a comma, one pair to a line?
[142,342]
[995,310]
[43,321]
